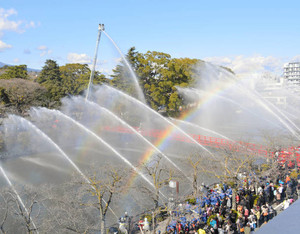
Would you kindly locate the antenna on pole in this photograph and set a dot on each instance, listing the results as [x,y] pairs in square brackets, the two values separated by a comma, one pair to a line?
[100,29]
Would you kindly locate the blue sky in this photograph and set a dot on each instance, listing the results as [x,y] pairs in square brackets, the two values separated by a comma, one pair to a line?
[248,36]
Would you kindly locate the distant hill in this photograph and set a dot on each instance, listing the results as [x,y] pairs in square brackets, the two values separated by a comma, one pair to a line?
[28,68]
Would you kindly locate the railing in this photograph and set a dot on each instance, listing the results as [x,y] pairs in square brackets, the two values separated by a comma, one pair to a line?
[285,155]
[202,139]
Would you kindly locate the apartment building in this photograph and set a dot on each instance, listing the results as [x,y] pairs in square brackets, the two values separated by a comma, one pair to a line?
[291,73]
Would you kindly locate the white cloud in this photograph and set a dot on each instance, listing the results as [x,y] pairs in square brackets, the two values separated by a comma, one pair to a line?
[4,46]
[6,13]
[243,65]
[43,53]
[104,70]
[44,50]
[42,47]
[32,24]
[11,25]
[6,24]
[78,58]
[16,60]
[118,60]
[101,62]
[296,58]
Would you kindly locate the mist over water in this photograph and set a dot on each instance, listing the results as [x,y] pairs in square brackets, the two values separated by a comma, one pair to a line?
[241,108]
[38,147]
[50,146]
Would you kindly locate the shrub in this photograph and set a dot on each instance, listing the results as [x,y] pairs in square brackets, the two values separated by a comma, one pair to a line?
[294,174]
[265,167]
[234,211]
[255,199]
[163,214]
[148,216]
[210,218]
[191,201]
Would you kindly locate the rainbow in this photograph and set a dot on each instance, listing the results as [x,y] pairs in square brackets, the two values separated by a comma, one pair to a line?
[163,141]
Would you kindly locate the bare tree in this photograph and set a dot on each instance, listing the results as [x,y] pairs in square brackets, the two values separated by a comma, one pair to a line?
[63,211]
[280,148]
[27,215]
[4,211]
[104,190]
[82,206]
[23,214]
[197,164]
[232,164]
[160,176]
[75,206]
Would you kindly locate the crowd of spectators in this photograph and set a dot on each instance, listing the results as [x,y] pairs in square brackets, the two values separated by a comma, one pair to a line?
[254,202]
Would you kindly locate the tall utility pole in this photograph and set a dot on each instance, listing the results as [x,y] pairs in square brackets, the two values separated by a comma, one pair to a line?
[100,29]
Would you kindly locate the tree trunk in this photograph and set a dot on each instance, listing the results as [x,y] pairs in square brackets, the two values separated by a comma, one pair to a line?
[156,201]
[233,199]
[102,225]
[153,221]
[195,184]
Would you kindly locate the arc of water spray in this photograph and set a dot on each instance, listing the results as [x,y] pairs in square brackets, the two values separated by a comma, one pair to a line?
[18,197]
[60,150]
[166,120]
[211,131]
[138,88]
[279,111]
[229,100]
[137,133]
[290,114]
[261,103]
[100,28]
[102,141]
[205,129]
[266,107]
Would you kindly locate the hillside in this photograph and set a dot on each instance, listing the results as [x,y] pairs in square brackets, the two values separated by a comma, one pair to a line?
[28,69]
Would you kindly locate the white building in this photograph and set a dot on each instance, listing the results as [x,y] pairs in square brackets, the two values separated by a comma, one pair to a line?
[291,73]
[270,88]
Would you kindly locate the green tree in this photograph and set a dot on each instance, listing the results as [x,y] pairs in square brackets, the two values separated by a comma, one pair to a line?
[50,78]
[160,75]
[180,73]
[151,70]
[121,74]
[75,78]
[11,72]
[70,79]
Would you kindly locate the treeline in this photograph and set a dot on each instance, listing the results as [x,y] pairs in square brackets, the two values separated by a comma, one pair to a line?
[19,91]
[157,72]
